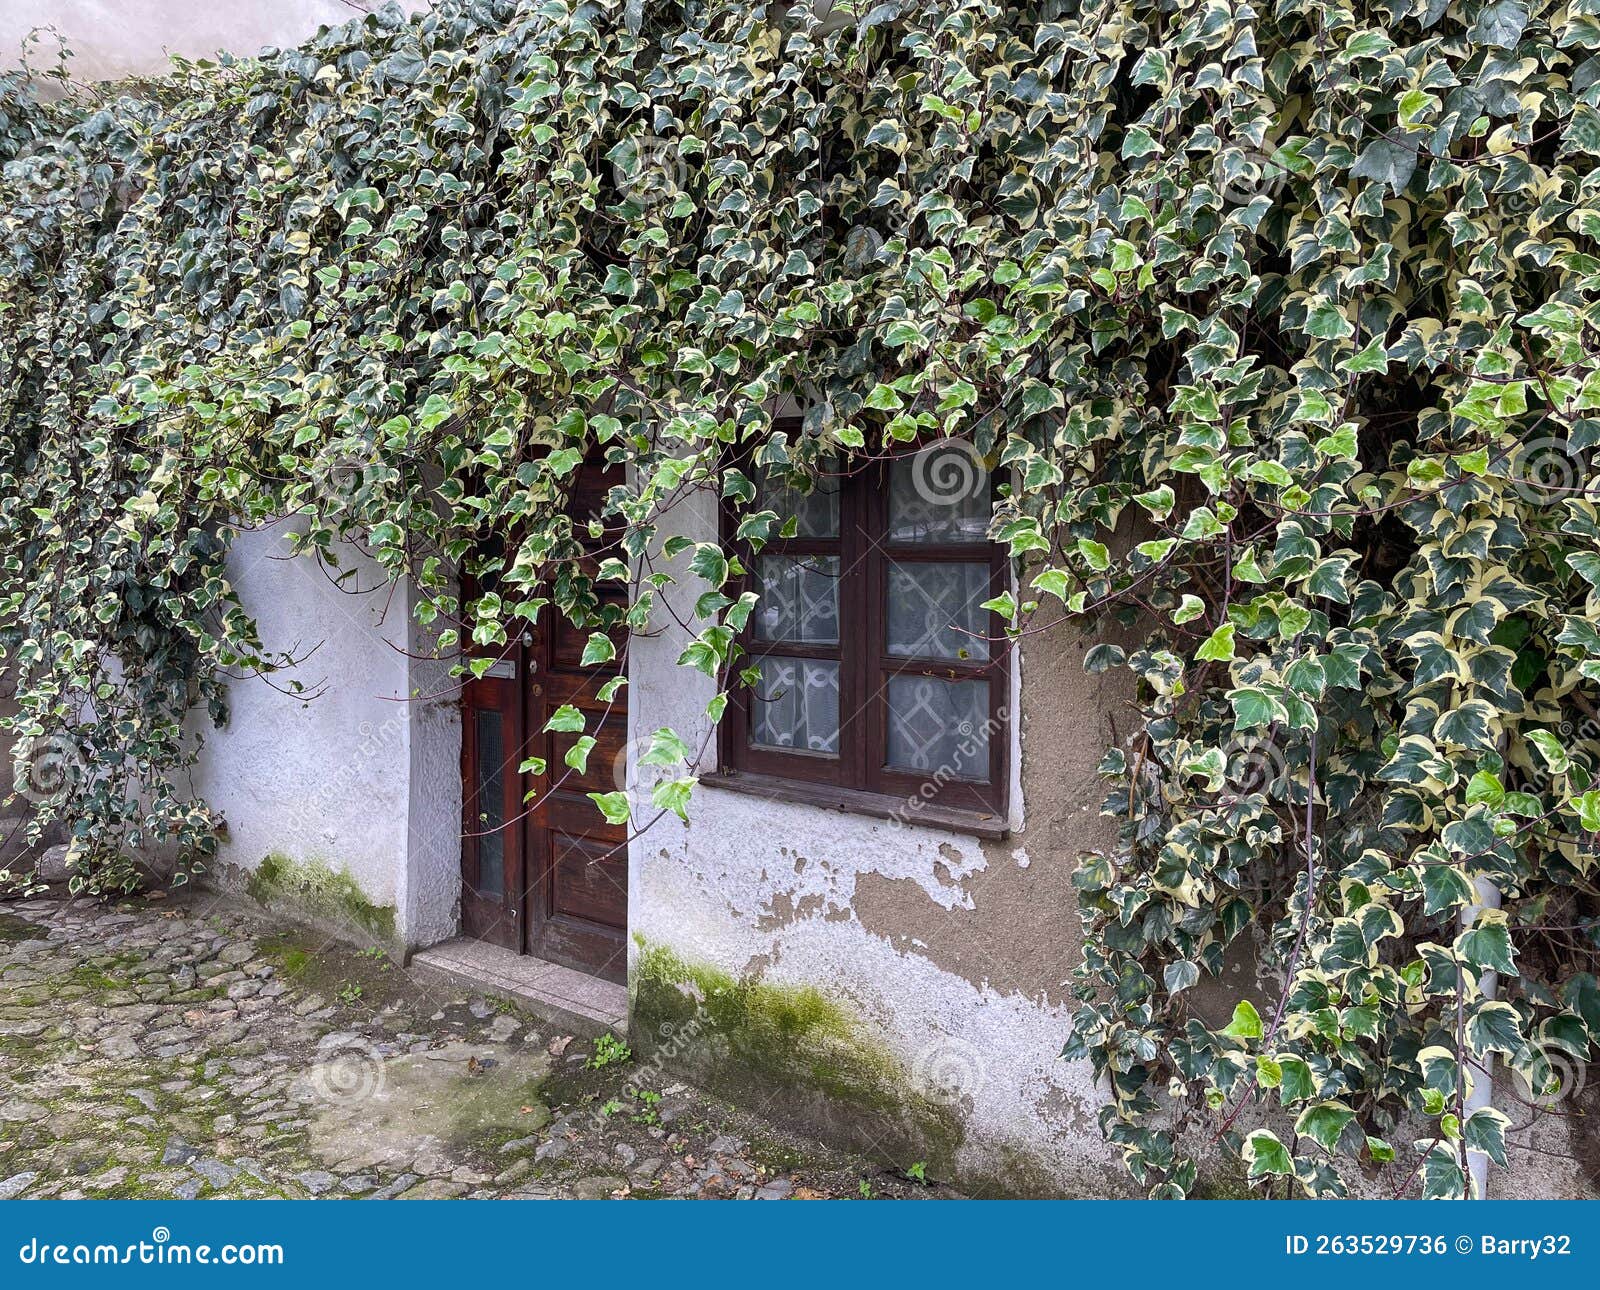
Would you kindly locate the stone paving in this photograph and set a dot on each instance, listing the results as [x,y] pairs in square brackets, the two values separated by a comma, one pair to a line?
[187,1047]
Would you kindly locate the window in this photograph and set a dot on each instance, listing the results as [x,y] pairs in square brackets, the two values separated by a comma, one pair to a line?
[877,686]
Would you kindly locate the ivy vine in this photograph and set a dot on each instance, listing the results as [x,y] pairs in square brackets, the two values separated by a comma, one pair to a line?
[1280,319]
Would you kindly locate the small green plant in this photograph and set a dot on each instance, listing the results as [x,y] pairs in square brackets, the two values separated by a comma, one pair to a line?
[349,992]
[649,1100]
[918,1172]
[865,1190]
[609,1051]
[611,1108]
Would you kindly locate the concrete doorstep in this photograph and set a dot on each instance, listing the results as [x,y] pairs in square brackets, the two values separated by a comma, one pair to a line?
[583,1004]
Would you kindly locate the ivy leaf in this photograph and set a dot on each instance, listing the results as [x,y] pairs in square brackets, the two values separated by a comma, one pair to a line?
[1495,1027]
[1445,888]
[673,795]
[614,806]
[1218,646]
[1246,1023]
[1485,1131]
[709,563]
[1442,1176]
[1266,1156]
[1499,24]
[1298,1082]
[1254,709]
[565,720]
[1323,1123]
[666,749]
[1468,725]
[1487,947]
[1388,161]
[1179,975]
[577,756]
[598,649]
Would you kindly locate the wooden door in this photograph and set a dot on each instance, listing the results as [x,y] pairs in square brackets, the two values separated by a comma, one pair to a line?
[492,843]
[578,899]
[542,871]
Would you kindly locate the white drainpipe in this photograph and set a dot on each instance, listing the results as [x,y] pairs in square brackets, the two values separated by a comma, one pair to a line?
[1482,1072]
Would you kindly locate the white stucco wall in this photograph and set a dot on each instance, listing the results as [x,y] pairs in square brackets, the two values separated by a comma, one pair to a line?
[361,776]
[115,38]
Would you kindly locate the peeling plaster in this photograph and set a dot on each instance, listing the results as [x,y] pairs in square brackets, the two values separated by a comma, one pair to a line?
[951,951]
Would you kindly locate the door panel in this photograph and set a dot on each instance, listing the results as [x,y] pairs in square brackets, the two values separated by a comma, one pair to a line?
[579,912]
[492,874]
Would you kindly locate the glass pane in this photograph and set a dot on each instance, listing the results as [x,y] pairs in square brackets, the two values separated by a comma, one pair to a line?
[939,726]
[795,704]
[940,495]
[490,800]
[934,607]
[816,512]
[799,599]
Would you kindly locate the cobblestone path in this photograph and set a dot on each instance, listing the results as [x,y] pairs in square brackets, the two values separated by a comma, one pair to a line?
[186,1047]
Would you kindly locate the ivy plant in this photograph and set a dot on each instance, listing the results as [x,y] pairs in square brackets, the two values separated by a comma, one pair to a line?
[1279,320]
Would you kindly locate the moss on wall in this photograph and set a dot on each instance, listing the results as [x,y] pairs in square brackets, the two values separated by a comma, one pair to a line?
[315,890]
[802,1055]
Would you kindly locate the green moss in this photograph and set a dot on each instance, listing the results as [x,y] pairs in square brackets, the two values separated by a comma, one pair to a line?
[1222,1181]
[14,929]
[320,892]
[805,1056]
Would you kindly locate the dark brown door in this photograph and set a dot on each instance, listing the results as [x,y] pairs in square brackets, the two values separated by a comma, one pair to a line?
[492,846]
[563,870]
[578,901]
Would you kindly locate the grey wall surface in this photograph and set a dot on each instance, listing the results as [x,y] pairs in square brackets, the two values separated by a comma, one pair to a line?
[115,38]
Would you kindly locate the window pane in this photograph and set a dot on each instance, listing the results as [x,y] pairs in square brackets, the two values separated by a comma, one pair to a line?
[939,726]
[933,607]
[490,801]
[816,512]
[799,599]
[939,495]
[795,704]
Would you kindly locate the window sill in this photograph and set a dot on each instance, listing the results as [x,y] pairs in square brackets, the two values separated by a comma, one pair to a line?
[854,801]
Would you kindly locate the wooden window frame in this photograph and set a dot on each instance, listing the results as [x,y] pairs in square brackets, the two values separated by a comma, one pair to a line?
[859,779]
